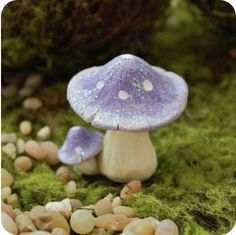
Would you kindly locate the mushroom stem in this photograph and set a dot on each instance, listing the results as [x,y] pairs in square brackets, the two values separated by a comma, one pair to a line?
[127,156]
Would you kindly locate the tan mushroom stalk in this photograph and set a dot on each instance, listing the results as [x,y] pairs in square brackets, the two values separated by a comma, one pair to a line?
[127,97]
[127,155]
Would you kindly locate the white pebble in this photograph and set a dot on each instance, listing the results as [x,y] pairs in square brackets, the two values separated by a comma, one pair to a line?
[124,210]
[35,150]
[25,127]
[20,145]
[32,103]
[24,224]
[6,178]
[8,138]
[8,223]
[51,150]
[13,200]
[82,221]
[5,192]
[116,202]
[10,150]
[44,133]
[167,226]
[40,232]
[70,188]
[64,207]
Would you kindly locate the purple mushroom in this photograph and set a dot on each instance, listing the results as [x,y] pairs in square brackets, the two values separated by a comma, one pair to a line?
[80,147]
[128,97]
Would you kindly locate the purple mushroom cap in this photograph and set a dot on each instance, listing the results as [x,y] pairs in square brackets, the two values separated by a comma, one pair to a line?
[127,94]
[80,145]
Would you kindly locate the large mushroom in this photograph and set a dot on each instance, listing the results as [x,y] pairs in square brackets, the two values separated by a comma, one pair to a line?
[128,97]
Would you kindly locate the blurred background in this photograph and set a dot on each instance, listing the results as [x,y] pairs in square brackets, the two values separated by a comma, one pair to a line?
[59,38]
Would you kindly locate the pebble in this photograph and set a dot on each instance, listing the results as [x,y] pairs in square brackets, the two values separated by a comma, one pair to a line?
[75,204]
[116,202]
[8,223]
[9,91]
[51,150]
[44,133]
[41,218]
[131,189]
[112,222]
[109,197]
[10,150]
[25,127]
[32,103]
[99,231]
[70,188]
[59,231]
[8,210]
[139,227]
[8,138]
[124,210]
[153,221]
[6,178]
[102,207]
[64,207]
[64,174]
[59,221]
[18,211]
[13,200]
[23,163]
[82,221]
[25,91]
[40,233]
[5,192]
[20,145]
[167,226]
[33,80]
[24,224]
[35,150]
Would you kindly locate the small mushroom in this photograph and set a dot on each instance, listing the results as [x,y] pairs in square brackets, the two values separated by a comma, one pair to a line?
[128,97]
[80,147]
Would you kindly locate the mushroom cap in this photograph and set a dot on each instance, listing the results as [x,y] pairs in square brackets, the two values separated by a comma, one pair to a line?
[127,94]
[80,145]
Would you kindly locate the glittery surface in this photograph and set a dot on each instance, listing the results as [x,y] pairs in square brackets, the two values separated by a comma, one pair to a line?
[127,94]
[80,145]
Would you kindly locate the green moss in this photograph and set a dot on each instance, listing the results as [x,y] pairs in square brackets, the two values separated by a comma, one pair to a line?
[38,187]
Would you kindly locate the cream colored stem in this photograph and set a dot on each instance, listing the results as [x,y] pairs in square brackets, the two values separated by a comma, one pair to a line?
[127,156]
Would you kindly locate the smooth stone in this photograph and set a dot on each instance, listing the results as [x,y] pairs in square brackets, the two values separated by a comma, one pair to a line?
[20,145]
[25,127]
[10,150]
[51,150]
[32,104]
[6,178]
[75,204]
[82,221]
[35,150]
[8,138]
[40,232]
[124,210]
[116,202]
[9,91]
[139,227]
[8,223]
[64,174]
[13,200]
[33,80]
[44,133]
[23,163]
[59,231]
[131,189]
[70,188]
[8,210]
[5,193]
[102,207]
[24,224]
[25,92]
[167,227]
[112,222]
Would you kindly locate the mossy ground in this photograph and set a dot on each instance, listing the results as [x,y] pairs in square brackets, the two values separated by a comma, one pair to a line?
[195,181]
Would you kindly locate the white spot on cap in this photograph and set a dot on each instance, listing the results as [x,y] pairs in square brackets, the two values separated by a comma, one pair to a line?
[100,85]
[147,85]
[127,56]
[123,95]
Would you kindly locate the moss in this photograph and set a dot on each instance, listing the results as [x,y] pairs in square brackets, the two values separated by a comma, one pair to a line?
[38,187]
